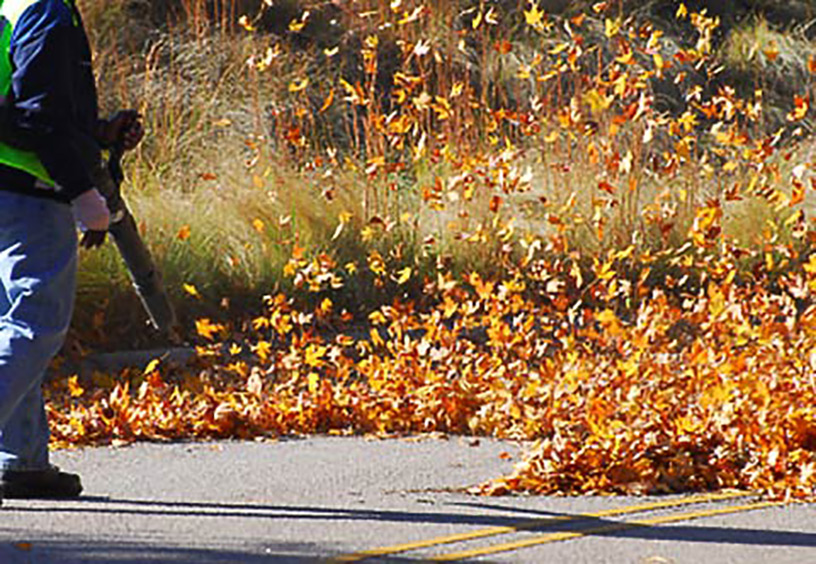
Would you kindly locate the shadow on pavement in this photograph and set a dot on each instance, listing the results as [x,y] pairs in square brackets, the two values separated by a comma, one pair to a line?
[76,551]
[685,533]
[151,508]
[576,522]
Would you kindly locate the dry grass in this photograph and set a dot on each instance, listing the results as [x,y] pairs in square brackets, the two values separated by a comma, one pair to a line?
[442,148]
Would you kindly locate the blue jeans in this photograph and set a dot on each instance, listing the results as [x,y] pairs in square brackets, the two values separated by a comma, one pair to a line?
[38,261]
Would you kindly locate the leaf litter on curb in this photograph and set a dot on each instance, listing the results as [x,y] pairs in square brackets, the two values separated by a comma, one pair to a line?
[713,389]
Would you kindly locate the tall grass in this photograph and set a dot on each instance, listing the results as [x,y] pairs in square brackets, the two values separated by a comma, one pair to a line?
[427,141]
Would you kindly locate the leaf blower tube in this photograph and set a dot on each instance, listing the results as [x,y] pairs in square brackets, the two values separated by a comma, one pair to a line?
[146,277]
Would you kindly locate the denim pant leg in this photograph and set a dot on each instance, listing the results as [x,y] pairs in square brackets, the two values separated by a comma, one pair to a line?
[37,283]
[24,438]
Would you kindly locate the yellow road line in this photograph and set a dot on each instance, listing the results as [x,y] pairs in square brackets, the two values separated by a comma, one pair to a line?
[533,523]
[612,527]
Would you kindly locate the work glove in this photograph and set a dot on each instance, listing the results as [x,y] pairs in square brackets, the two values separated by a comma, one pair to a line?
[92,214]
[123,127]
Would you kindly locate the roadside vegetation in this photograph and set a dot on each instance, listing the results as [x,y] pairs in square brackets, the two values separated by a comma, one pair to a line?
[584,224]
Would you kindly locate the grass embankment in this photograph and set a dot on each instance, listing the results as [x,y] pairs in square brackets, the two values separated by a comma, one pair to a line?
[426,131]
[640,229]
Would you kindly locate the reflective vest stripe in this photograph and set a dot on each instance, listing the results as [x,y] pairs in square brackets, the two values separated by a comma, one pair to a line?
[27,161]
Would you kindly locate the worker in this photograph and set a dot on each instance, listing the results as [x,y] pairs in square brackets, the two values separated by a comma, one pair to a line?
[46,190]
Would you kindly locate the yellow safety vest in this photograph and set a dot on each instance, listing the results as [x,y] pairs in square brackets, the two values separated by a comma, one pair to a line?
[27,161]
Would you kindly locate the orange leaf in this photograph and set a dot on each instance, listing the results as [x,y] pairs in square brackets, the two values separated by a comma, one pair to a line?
[606,187]
[797,193]
[772,51]
[503,47]
[327,102]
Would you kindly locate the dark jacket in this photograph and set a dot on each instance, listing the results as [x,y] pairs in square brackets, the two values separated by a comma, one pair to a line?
[54,100]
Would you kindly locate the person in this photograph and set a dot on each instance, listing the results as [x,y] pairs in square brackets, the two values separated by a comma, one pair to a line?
[50,105]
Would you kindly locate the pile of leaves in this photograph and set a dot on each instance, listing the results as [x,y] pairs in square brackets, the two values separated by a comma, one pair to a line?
[621,317]
[708,385]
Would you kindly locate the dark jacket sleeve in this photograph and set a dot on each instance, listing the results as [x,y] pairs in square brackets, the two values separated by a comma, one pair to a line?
[45,66]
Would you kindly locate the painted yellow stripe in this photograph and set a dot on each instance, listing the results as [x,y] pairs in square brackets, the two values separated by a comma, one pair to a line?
[533,523]
[612,527]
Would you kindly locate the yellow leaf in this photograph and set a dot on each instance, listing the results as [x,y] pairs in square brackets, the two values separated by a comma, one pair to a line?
[152,366]
[607,317]
[74,388]
[314,381]
[376,340]
[207,328]
[404,275]
[688,425]
[191,290]
[560,48]
[376,317]
[612,27]
[263,349]
[716,300]
[376,263]
[314,355]
[477,21]
[298,85]
[659,63]
[534,16]
[606,272]
[628,58]
[259,226]
[412,17]
[326,306]
[597,102]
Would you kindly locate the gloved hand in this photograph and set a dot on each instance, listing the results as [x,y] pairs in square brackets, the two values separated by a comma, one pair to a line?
[123,127]
[93,239]
[92,215]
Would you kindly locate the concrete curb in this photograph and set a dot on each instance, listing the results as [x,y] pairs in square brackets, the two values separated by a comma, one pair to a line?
[113,363]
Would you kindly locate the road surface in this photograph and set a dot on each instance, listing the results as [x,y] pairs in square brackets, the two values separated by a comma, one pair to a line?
[331,499]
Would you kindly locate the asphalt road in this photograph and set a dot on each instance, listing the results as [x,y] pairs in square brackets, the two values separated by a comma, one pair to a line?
[320,499]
